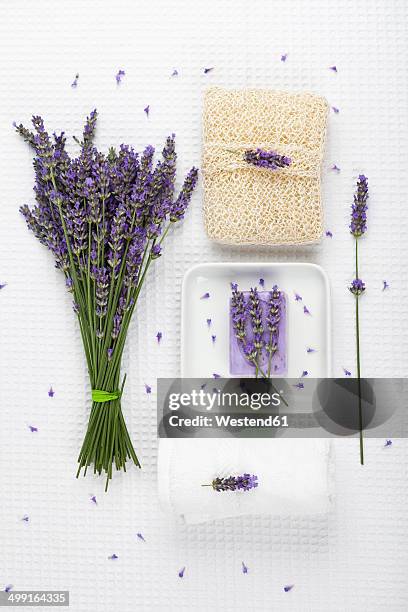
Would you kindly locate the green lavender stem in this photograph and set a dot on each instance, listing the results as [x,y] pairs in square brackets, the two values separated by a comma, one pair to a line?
[360,410]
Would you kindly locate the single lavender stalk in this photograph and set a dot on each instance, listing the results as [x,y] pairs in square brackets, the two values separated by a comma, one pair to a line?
[246,482]
[255,313]
[102,216]
[266,159]
[358,227]
[272,322]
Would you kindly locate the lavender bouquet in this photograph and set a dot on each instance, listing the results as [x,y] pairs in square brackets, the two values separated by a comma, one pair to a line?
[104,218]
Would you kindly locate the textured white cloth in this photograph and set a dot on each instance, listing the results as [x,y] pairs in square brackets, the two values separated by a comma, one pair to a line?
[294,475]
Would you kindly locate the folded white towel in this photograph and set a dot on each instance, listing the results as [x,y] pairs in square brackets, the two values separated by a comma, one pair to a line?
[294,477]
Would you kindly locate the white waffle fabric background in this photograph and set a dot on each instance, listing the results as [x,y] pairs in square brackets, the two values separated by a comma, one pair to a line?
[356,559]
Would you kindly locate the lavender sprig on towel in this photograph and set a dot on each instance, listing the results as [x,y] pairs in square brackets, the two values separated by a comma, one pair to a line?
[246,482]
[266,159]
[358,227]
[104,217]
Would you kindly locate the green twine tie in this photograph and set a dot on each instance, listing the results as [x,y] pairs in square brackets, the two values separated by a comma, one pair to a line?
[100,396]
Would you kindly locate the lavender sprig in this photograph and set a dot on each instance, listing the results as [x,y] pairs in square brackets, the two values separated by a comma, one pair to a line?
[358,227]
[246,482]
[266,159]
[104,218]
[272,322]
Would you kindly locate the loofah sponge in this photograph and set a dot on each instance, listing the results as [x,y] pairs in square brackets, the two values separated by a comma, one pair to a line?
[247,204]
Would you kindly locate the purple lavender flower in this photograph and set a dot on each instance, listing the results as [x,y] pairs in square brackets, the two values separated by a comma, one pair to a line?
[284,57]
[146,110]
[244,568]
[93,500]
[333,68]
[288,587]
[213,339]
[358,223]
[8,588]
[329,234]
[109,353]
[273,318]
[208,323]
[310,350]
[357,287]
[346,372]
[159,336]
[305,373]
[215,375]
[51,392]
[74,83]
[335,168]
[148,389]
[299,386]
[335,110]
[119,76]
[385,285]
[140,536]
[113,557]
[181,572]
[388,443]
[266,159]
[262,282]
[246,482]
[32,428]
[207,70]
[25,518]
[205,296]
[174,73]
[306,310]
[178,208]
[298,298]
[156,251]
[2,285]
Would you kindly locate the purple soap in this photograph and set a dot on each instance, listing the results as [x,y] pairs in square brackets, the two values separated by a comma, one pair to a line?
[238,362]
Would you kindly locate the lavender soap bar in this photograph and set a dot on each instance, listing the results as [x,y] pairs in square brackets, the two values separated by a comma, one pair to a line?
[258,319]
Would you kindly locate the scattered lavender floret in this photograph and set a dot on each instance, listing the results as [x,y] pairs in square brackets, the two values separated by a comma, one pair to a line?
[181,572]
[244,568]
[148,388]
[299,386]
[335,110]
[266,159]
[113,557]
[8,588]
[306,310]
[207,70]
[119,76]
[74,83]
[147,110]
[305,373]
[109,353]
[288,587]
[174,73]
[215,375]
[385,285]
[205,296]
[310,350]
[284,57]
[262,282]
[2,285]
[140,536]
[93,500]
[51,392]
[346,372]
[25,518]
[329,234]
[388,443]
[159,336]
[333,68]
[213,338]
[32,428]
[335,168]
[298,298]
[208,323]
[359,207]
